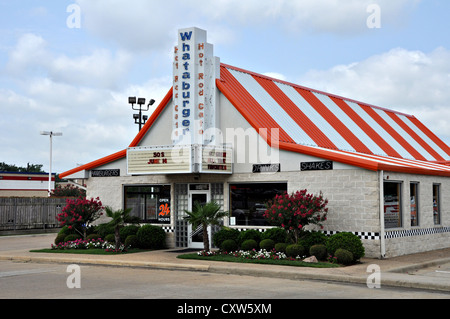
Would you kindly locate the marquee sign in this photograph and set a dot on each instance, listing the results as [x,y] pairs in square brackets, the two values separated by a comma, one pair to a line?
[195,70]
[159,160]
[216,160]
[179,160]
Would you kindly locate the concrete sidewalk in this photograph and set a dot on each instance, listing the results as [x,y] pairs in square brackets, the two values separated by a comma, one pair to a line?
[429,270]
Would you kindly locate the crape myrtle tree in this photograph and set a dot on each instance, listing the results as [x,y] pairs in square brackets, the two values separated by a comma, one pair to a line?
[295,211]
[80,213]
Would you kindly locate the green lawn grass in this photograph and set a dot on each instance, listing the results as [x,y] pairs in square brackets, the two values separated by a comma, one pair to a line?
[283,262]
[226,258]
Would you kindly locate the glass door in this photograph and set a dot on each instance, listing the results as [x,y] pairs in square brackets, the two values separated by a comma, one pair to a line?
[196,235]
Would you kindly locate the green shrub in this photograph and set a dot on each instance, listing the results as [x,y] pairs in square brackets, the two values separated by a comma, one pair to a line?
[280,247]
[343,256]
[66,231]
[110,238]
[60,238]
[91,230]
[249,234]
[348,241]
[104,229]
[72,237]
[278,235]
[249,244]
[319,250]
[311,238]
[295,250]
[229,245]
[151,237]
[128,230]
[93,236]
[223,234]
[132,241]
[267,244]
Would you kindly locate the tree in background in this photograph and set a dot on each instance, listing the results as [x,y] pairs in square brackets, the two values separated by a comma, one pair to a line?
[31,168]
[294,212]
[68,191]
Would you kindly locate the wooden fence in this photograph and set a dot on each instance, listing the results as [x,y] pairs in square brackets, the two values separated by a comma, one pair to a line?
[18,213]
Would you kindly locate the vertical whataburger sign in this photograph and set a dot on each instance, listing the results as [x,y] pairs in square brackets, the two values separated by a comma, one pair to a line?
[195,116]
[195,70]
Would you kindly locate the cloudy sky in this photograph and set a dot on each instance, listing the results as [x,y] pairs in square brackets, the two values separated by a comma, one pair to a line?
[70,65]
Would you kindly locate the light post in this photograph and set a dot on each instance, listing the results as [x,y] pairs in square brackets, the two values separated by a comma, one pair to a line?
[51,134]
[138,118]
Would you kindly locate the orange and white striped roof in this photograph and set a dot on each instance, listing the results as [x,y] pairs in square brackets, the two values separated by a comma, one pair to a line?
[322,125]
[330,126]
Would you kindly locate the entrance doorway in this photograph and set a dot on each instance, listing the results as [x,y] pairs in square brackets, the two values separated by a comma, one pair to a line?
[201,194]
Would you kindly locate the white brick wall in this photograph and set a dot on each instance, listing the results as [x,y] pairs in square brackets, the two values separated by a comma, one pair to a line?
[353,196]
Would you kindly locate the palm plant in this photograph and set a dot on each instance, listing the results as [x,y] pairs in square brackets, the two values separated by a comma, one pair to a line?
[119,218]
[205,215]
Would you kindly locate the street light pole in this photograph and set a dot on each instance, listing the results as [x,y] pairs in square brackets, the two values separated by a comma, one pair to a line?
[51,134]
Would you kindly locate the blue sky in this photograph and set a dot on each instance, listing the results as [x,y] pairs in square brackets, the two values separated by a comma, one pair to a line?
[77,80]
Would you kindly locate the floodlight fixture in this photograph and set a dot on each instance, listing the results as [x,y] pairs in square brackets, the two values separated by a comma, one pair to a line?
[132,100]
[138,118]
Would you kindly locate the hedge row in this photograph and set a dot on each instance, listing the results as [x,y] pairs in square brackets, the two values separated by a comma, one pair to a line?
[345,247]
[145,237]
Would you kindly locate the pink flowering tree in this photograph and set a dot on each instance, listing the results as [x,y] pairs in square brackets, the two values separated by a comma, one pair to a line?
[294,212]
[80,213]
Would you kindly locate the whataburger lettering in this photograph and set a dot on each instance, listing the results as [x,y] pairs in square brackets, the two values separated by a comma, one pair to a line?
[186,88]
[189,83]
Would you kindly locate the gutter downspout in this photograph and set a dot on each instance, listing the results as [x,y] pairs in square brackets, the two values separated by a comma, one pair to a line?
[382,239]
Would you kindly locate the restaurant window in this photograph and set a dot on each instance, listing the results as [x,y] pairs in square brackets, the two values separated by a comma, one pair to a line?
[151,203]
[392,205]
[437,204]
[247,202]
[414,203]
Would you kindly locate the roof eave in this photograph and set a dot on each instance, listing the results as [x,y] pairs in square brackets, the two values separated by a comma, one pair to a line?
[123,153]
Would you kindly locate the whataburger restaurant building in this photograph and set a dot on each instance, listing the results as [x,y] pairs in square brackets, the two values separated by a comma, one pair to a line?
[239,138]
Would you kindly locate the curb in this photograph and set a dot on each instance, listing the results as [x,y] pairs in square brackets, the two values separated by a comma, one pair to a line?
[392,278]
[102,262]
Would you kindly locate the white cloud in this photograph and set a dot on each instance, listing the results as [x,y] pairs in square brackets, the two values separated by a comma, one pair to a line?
[142,25]
[85,97]
[412,82]
[28,55]
[276,75]
[101,68]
